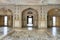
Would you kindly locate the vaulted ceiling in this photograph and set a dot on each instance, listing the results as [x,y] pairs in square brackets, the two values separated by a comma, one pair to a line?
[29,2]
[54,12]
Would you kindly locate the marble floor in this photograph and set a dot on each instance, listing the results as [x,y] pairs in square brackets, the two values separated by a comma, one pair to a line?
[4,31]
[34,34]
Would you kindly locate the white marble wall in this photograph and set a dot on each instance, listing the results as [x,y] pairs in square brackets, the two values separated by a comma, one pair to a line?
[17,13]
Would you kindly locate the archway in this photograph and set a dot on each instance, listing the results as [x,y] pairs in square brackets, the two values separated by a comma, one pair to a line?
[30,18]
[6,18]
[53,18]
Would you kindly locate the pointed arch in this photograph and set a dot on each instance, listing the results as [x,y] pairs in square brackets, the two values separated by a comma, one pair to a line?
[53,17]
[30,12]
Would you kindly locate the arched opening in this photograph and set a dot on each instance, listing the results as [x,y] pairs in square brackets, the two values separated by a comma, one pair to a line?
[53,18]
[6,18]
[29,18]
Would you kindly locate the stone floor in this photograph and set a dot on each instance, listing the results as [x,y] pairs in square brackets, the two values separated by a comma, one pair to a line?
[34,34]
[4,31]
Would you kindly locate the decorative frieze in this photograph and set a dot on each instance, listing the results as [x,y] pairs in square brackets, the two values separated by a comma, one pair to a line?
[28,2]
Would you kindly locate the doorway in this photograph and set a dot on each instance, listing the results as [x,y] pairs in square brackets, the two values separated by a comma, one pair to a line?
[6,21]
[29,18]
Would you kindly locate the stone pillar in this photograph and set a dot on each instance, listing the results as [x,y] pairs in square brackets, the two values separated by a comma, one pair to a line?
[39,17]
[16,19]
[43,18]
[20,18]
